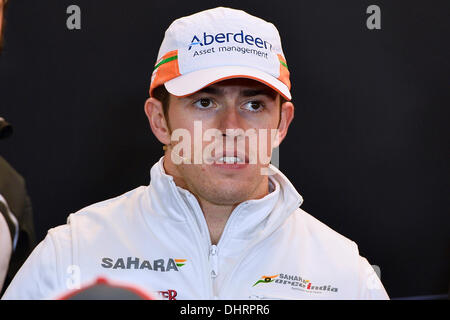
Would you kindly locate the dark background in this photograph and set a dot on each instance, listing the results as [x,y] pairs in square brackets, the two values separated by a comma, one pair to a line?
[368,148]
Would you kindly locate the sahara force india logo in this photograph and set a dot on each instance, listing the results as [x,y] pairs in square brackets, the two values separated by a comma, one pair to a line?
[161,265]
[296,283]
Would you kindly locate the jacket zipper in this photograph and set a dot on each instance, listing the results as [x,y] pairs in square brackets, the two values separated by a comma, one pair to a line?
[213,256]
[214,261]
[214,249]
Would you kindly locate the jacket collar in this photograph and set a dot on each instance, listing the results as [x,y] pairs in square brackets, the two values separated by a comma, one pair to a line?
[263,215]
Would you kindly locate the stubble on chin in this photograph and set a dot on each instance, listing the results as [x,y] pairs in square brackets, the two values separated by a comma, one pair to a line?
[220,190]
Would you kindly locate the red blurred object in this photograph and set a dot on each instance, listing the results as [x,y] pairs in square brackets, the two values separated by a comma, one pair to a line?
[104,289]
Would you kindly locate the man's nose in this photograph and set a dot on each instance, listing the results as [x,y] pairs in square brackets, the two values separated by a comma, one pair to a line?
[230,119]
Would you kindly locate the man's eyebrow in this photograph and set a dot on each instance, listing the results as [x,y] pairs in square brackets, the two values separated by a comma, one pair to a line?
[256,92]
[244,92]
[210,90]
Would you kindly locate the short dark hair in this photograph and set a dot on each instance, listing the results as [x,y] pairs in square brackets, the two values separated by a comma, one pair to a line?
[163,95]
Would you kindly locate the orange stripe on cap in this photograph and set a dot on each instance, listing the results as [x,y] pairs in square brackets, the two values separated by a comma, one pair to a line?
[284,72]
[165,71]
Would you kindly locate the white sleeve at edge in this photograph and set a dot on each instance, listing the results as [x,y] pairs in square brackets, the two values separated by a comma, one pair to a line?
[371,287]
[37,278]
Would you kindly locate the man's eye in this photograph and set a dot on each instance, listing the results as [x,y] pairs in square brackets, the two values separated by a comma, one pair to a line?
[254,106]
[203,103]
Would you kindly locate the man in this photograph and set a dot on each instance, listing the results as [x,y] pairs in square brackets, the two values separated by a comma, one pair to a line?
[217,220]
[16,223]
[16,219]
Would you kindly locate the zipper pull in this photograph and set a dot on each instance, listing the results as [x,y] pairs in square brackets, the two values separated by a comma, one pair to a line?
[214,260]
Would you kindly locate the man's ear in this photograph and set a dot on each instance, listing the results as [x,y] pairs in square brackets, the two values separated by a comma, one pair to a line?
[286,116]
[155,113]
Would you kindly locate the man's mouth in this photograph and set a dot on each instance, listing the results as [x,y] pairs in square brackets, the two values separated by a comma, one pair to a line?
[230,160]
[231,157]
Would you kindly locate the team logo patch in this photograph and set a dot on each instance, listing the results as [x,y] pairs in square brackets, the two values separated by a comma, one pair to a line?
[295,283]
[266,279]
[161,265]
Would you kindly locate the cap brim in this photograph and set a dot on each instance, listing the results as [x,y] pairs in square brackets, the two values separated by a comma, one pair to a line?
[189,83]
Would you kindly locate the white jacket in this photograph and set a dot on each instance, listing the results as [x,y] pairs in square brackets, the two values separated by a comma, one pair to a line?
[156,237]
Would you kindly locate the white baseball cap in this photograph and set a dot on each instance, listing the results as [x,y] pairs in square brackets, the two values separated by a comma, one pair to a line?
[218,44]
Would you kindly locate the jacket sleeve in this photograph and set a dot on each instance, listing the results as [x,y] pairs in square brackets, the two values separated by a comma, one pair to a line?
[370,284]
[39,277]
[5,249]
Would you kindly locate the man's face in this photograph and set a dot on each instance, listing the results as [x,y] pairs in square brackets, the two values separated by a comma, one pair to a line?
[231,104]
